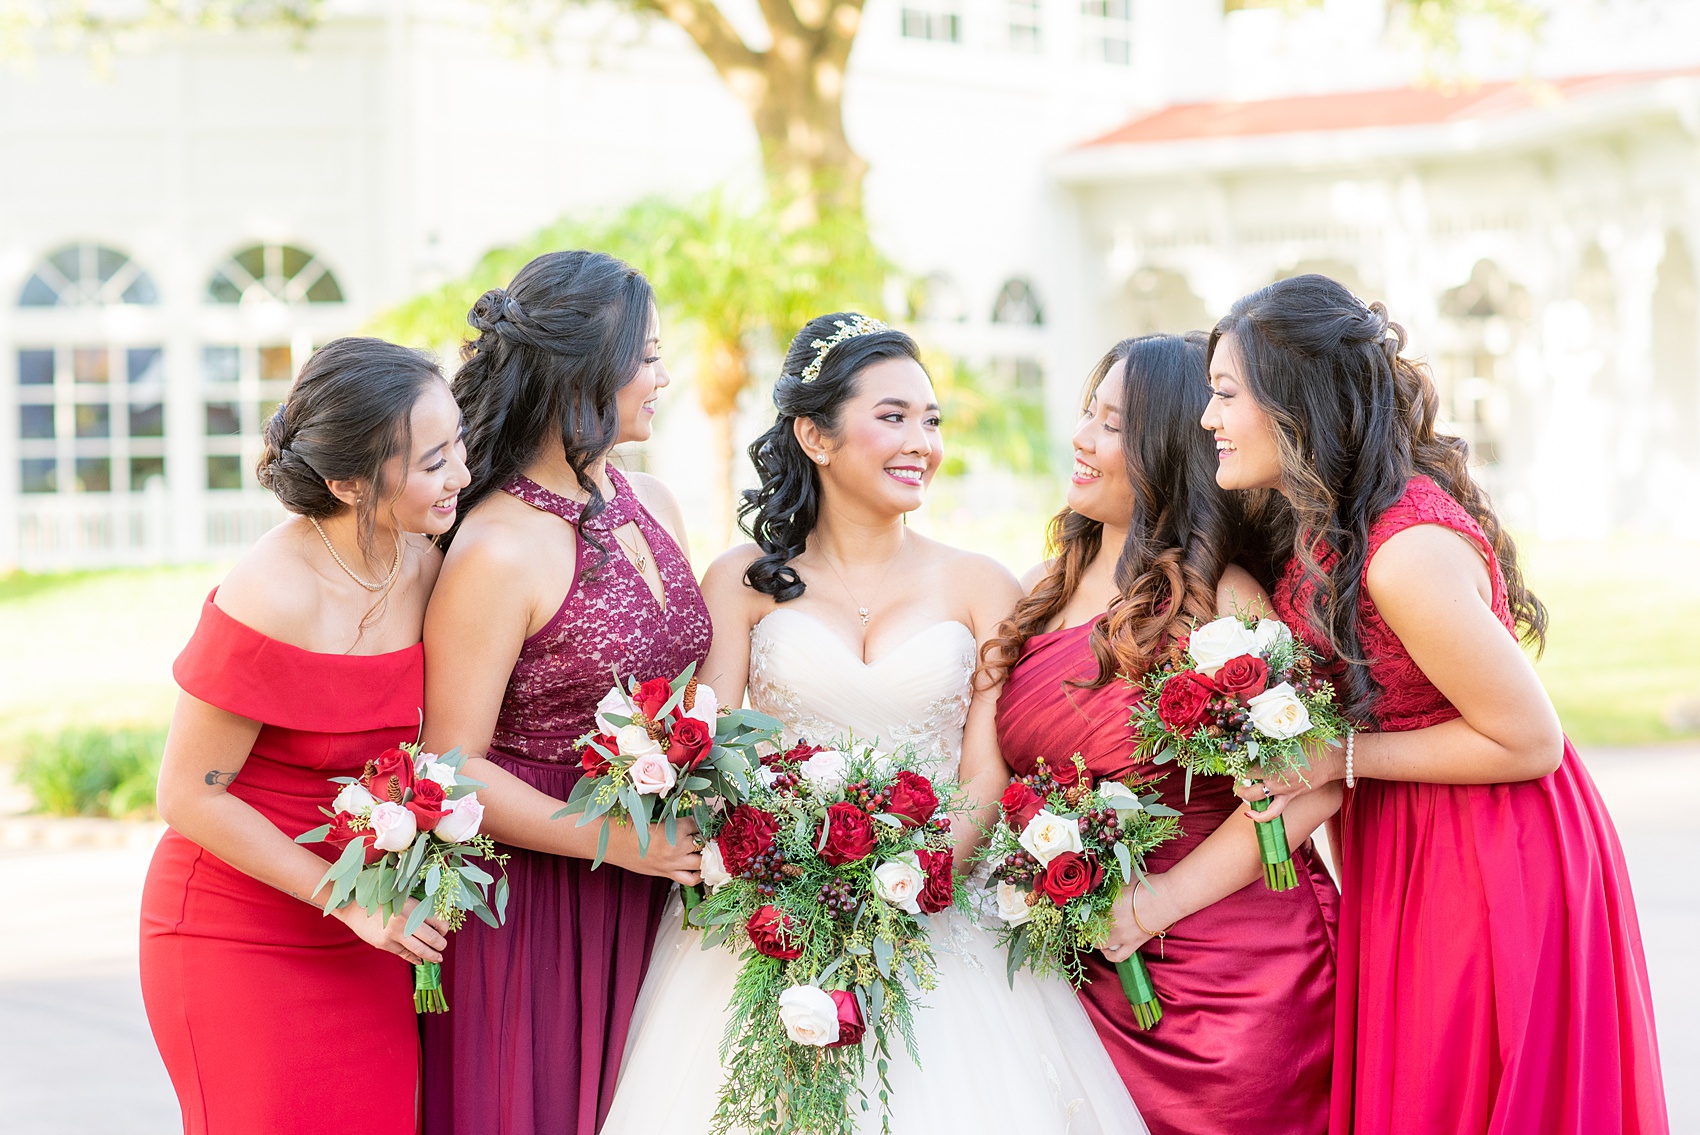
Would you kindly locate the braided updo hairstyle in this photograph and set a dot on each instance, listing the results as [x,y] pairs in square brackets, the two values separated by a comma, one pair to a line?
[553,350]
[780,512]
[1354,422]
[348,414]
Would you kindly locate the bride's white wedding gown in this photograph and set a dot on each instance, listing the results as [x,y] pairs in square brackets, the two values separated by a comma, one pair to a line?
[993,1059]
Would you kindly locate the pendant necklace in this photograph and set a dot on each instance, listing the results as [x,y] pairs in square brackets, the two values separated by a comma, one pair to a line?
[395,568]
[863,612]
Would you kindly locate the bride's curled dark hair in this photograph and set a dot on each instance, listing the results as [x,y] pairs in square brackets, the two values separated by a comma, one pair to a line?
[780,512]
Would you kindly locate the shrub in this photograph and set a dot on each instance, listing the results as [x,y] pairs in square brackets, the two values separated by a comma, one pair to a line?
[93,772]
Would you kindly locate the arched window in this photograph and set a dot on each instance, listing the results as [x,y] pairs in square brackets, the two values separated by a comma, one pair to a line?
[937,299]
[278,272]
[82,275]
[1017,302]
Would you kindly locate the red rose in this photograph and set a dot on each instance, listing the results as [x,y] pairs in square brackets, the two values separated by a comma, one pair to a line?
[770,929]
[849,835]
[342,833]
[691,742]
[940,867]
[1020,804]
[652,695]
[595,764]
[1244,677]
[390,775]
[911,798]
[1185,697]
[1069,876]
[795,755]
[427,804]
[747,833]
[850,1027]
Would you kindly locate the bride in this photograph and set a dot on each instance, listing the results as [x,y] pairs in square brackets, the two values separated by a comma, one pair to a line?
[844,621]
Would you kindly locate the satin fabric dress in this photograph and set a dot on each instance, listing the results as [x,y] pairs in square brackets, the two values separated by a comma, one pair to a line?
[264,1009]
[1247,984]
[539,1008]
[1492,978]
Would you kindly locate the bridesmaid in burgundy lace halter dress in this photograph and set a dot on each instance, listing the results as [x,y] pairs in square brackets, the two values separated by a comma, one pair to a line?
[563,572]
[1492,978]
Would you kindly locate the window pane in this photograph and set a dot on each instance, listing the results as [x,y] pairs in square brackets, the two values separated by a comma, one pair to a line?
[107,262]
[264,411]
[90,364]
[274,364]
[38,293]
[224,472]
[221,290]
[145,363]
[147,419]
[94,419]
[293,261]
[222,420]
[35,421]
[94,474]
[252,261]
[145,469]
[324,290]
[141,290]
[35,368]
[39,475]
[220,364]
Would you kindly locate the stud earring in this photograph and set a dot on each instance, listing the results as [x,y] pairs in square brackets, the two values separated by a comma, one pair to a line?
[821,457]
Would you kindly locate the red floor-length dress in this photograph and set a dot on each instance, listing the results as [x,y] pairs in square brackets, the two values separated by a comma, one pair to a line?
[540,1008]
[272,1017]
[1491,972]
[1247,984]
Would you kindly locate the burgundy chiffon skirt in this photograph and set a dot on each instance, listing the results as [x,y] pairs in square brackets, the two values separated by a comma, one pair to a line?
[538,1010]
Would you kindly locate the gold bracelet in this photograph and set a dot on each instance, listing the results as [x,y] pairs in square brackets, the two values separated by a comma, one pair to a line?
[1133,908]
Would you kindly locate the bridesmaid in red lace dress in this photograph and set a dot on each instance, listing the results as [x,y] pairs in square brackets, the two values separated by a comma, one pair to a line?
[562,572]
[1491,971]
[1142,553]
[306,664]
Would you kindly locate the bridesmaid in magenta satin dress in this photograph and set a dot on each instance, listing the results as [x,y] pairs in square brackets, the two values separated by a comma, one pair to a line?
[1246,975]
[563,573]
[1492,978]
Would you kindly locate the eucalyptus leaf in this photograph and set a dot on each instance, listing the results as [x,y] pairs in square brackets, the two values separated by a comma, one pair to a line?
[601,847]
[433,879]
[1124,861]
[882,956]
[314,836]
[416,919]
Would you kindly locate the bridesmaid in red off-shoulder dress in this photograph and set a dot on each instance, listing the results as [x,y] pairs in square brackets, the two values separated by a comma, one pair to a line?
[1246,975]
[272,1016]
[1492,978]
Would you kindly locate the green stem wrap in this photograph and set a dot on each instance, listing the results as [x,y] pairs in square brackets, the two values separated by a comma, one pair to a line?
[428,989]
[1278,870]
[1141,994]
[691,897]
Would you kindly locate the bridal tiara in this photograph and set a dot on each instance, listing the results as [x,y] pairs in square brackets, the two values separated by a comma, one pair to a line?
[847,329]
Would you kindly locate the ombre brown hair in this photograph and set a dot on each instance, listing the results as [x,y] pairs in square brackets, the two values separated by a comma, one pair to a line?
[1180,537]
[1354,421]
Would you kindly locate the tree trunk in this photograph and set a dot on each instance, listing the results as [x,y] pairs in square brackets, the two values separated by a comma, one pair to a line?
[725,372]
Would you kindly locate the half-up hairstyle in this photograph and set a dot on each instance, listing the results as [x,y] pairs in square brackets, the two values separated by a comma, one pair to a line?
[1354,422]
[1179,537]
[348,414]
[554,348]
[780,512]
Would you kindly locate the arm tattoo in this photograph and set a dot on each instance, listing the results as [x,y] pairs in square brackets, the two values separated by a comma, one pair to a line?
[222,779]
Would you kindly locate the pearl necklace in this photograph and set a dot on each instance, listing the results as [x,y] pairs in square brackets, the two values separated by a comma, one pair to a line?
[395,568]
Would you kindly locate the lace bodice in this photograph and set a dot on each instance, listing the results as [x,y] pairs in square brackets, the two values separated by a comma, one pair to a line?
[917,695]
[1409,700]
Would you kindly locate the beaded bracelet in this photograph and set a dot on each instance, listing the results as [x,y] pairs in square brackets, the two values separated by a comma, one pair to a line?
[1351,736]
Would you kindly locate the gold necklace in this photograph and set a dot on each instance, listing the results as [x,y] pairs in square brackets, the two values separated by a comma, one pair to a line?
[395,568]
[862,610]
[639,559]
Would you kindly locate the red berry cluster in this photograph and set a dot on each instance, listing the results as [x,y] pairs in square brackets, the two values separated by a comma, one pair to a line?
[865,796]
[1020,867]
[839,899]
[1101,828]
[788,782]
[767,871]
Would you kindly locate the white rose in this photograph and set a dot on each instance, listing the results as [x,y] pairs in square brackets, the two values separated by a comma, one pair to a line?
[1214,643]
[652,773]
[1012,904]
[355,800]
[714,873]
[441,773]
[461,820]
[704,708]
[634,742]
[1277,712]
[1119,796]
[614,701]
[1048,835]
[810,1015]
[826,772]
[1271,633]
[393,827]
[900,882]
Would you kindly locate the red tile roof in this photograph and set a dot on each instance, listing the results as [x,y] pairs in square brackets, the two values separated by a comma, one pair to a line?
[1356,110]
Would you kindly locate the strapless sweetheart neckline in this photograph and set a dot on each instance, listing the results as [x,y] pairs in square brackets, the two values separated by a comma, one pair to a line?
[850,651]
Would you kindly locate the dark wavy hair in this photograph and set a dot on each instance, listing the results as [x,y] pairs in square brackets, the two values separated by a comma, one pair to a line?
[1180,536]
[780,512]
[554,348]
[1354,422]
[348,414]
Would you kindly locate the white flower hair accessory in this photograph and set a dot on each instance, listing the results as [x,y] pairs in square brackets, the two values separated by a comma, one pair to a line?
[847,329]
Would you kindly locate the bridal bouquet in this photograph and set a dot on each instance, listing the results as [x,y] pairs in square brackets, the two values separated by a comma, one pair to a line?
[826,874]
[1055,834]
[1239,692]
[408,828]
